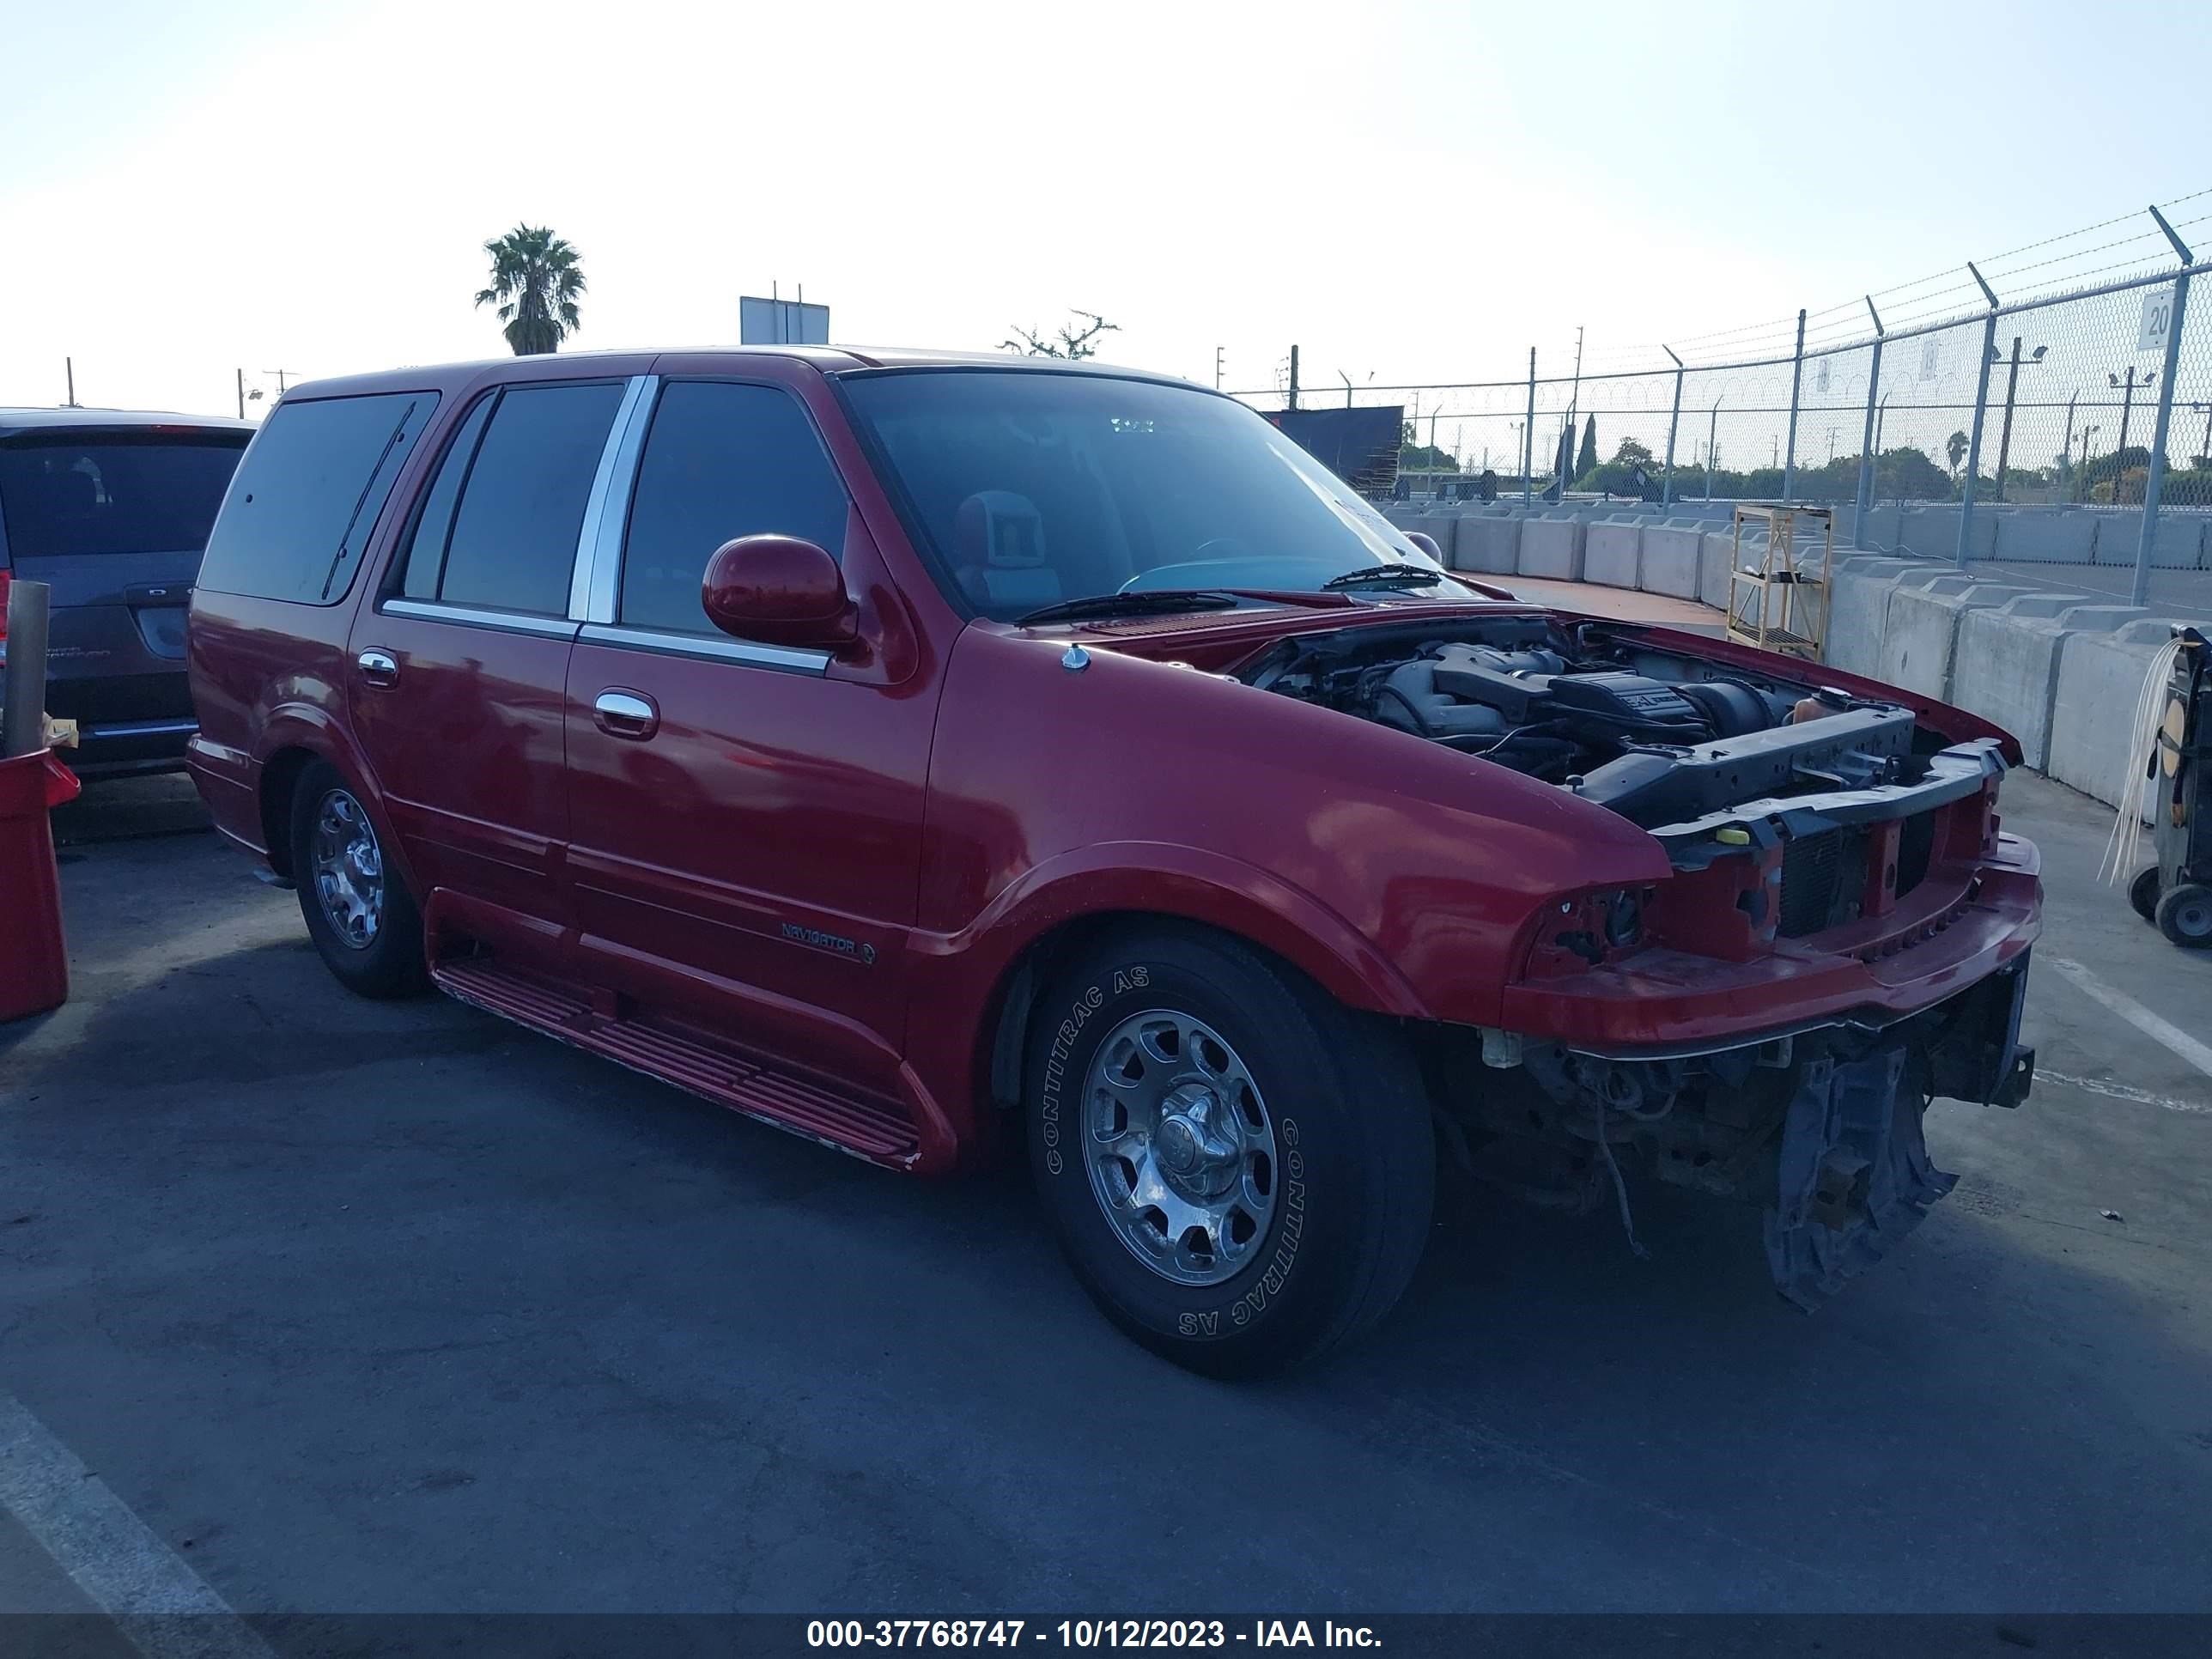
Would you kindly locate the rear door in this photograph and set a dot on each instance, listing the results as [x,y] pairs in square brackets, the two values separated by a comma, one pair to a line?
[114,519]
[457,670]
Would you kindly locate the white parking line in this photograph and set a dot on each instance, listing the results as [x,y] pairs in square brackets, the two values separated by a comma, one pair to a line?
[2097,1086]
[165,1609]
[2158,1030]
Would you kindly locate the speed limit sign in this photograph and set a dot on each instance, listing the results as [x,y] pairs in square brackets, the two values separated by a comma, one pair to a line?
[2157,319]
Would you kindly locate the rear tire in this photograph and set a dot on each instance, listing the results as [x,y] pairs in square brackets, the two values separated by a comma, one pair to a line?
[1240,1170]
[358,911]
[2185,915]
[2142,893]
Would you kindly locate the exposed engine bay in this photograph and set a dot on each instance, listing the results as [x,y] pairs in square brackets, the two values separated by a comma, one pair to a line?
[1659,737]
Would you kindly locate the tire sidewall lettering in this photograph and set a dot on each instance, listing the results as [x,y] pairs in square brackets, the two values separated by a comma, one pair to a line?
[1079,1014]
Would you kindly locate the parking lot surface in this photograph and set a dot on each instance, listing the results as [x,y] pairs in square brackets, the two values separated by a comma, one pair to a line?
[393,1306]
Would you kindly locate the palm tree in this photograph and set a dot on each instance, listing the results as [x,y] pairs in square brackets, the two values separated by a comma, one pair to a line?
[1955,447]
[535,279]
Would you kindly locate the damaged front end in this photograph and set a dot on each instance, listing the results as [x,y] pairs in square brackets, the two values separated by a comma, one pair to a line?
[1820,1130]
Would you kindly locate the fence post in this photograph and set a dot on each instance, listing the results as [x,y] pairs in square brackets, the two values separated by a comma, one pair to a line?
[1863,502]
[2154,482]
[1981,409]
[1797,375]
[1674,420]
[1529,437]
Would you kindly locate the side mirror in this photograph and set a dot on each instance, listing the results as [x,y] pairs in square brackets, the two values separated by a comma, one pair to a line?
[1425,542]
[779,590]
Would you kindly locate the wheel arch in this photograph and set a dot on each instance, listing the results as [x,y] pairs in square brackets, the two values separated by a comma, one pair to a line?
[1259,912]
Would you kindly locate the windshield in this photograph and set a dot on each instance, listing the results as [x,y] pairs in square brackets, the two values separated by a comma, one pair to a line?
[90,492]
[1033,488]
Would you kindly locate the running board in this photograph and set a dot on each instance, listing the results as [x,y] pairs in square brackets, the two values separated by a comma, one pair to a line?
[874,1130]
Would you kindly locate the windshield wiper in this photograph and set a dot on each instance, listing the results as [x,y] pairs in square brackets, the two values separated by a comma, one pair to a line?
[1387,576]
[1143,602]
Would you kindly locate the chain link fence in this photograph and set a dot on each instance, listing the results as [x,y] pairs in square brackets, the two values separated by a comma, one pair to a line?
[2073,376]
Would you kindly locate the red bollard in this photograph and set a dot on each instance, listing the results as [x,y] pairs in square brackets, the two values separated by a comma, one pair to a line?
[33,960]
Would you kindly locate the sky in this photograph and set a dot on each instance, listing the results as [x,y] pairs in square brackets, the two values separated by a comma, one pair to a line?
[1411,192]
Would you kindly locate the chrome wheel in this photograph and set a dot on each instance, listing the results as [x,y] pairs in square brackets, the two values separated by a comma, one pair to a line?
[1180,1147]
[347,869]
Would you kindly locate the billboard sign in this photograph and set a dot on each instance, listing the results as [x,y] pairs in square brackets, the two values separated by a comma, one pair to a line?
[782,322]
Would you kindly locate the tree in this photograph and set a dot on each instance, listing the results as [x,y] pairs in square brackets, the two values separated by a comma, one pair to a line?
[1632,452]
[1955,446]
[1586,463]
[1073,344]
[536,278]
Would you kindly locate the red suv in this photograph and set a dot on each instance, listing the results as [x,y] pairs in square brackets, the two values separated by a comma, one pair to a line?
[916,752]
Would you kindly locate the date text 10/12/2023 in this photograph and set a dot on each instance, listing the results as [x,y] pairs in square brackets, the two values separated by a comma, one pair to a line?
[1084,1634]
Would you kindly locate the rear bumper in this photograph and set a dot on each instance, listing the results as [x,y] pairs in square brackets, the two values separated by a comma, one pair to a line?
[116,748]
[1658,1003]
[229,785]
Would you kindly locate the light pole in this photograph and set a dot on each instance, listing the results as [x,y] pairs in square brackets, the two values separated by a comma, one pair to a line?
[2012,383]
[2087,432]
[1712,445]
[2127,407]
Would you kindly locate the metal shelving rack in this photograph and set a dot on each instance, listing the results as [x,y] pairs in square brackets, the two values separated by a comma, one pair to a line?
[1780,604]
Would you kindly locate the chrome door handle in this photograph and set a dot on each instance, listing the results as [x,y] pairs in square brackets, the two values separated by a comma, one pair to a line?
[626,714]
[378,667]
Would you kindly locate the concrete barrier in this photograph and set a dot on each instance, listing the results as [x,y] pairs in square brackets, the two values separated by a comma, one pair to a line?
[1552,548]
[1716,556]
[1920,630]
[1932,532]
[1612,553]
[1669,563]
[2046,538]
[2007,662]
[1858,610]
[2101,676]
[1487,544]
[1443,527]
[2179,545]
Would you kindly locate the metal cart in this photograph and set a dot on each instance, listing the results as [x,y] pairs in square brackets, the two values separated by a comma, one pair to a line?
[2176,892]
[1780,604]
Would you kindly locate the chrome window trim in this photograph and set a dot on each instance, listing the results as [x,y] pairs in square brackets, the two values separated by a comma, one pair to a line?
[504,622]
[598,544]
[787,658]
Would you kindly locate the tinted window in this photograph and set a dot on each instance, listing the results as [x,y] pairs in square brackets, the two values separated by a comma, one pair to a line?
[113,493]
[1034,487]
[424,561]
[297,520]
[513,541]
[721,461]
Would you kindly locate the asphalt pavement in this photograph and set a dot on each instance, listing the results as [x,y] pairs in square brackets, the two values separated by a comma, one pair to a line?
[357,1307]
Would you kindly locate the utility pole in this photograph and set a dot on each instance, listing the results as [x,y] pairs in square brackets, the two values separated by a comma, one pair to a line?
[1218,350]
[2004,432]
[68,368]
[2120,451]
[1294,378]
[241,394]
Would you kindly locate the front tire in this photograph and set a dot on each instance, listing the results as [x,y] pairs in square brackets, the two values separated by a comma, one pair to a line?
[1240,1170]
[358,910]
[2142,894]
[2185,915]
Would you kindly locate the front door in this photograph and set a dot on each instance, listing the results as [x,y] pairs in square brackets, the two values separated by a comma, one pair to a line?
[460,668]
[745,820]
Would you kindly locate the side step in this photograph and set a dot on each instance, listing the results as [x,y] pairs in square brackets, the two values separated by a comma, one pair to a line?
[874,1130]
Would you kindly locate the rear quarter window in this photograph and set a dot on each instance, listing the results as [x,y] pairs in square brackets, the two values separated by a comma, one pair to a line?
[307,497]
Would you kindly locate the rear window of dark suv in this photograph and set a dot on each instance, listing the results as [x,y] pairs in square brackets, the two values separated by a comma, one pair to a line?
[133,490]
[308,494]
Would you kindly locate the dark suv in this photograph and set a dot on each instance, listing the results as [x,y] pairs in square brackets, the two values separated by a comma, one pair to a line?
[111,508]
[915,752]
